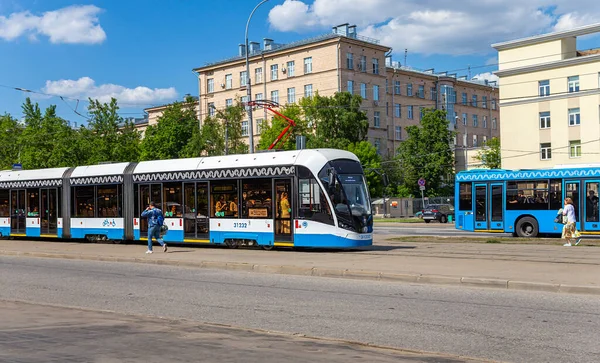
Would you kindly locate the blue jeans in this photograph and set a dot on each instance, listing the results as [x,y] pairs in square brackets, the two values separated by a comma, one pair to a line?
[154,231]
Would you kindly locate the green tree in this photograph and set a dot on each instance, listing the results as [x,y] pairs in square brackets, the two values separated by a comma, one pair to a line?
[270,132]
[231,118]
[10,135]
[426,153]
[112,138]
[170,136]
[489,155]
[208,140]
[371,162]
[335,121]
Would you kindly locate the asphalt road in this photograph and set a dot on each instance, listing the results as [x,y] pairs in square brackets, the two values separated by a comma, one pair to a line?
[500,325]
[426,229]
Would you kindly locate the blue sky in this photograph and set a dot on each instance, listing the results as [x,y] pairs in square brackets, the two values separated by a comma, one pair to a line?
[143,51]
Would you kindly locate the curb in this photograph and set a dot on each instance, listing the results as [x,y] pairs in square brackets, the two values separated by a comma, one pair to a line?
[333,273]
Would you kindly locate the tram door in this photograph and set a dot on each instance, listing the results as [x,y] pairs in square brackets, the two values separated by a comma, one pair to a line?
[148,193]
[49,211]
[195,222]
[17,211]
[283,210]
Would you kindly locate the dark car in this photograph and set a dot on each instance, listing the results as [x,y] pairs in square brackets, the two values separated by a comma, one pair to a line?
[438,212]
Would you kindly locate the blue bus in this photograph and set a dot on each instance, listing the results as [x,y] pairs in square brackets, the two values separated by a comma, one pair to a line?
[525,202]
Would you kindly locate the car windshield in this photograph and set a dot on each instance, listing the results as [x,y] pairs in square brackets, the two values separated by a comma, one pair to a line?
[355,188]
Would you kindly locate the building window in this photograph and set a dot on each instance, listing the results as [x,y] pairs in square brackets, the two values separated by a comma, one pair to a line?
[243,79]
[574,117]
[350,60]
[409,109]
[363,63]
[350,87]
[398,133]
[546,151]
[485,122]
[494,124]
[258,75]
[409,89]
[421,93]
[274,72]
[229,102]
[484,140]
[433,93]
[544,120]
[363,91]
[494,104]
[244,128]
[376,119]
[575,149]
[259,125]
[464,119]
[544,87]
[228,81]
[396,87]
[291,95]
[484,101]
[475,121]
[375,93]
[275,96]
[290,68]
[464,98]
[307,65]
[397,110]
[377,144]
[573,84]
[211,109]
[475,144]
[244,100]
[210,85]
[474,100]
[258,96]
[308,90]
[375,66]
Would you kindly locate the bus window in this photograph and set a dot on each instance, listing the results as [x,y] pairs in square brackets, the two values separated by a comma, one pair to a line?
[496,207]
[555,194]
[527,195]
[466,197]
[591,202]
[572,191]
[480,203]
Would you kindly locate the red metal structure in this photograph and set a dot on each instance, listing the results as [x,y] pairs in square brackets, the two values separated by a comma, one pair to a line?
[269,105]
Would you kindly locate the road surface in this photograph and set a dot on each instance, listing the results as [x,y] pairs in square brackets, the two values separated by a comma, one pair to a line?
[427,229]
[494,324]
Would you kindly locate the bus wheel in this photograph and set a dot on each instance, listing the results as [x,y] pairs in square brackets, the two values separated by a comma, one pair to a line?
[527,227]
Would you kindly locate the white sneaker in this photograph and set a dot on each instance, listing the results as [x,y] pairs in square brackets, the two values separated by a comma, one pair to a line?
[148,252]
[566,245]
[577,243]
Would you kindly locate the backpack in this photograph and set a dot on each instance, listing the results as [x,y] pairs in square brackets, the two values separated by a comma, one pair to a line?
[160,219]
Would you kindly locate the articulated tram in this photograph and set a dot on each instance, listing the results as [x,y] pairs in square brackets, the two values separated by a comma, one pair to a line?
[304,198]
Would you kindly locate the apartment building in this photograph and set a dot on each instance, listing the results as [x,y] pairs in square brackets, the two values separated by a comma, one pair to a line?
[154,113]
[550,97]
[394,95]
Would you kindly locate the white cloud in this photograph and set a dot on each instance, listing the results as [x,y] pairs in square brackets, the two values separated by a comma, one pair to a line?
[487,76]
[437,26]
[77,24]
[86,87]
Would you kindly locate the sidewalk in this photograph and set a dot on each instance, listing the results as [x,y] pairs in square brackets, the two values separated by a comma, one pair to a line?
[523,267]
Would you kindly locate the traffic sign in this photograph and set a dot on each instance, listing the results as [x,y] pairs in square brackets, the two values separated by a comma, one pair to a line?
[421,182]
[421,187]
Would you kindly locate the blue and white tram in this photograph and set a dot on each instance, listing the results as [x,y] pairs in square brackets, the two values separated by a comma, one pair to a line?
[305,198]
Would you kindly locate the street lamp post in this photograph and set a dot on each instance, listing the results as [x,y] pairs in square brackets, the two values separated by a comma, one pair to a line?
[248,84]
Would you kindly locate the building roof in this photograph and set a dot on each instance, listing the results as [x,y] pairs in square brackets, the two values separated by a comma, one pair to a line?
[536,39]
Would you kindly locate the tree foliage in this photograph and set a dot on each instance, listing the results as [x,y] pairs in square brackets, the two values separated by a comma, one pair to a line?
[371,162]
[426,153]
[208,140]
[231,118]
[10,133]
[270,132]
[489,155]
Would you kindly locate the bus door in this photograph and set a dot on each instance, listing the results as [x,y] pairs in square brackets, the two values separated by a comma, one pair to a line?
[481,207]
[496,211]
[591,205]
[572,190]
[283,210]
[49,212]
[17,211]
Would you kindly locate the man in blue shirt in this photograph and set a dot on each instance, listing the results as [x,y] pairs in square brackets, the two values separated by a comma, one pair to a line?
[155,220]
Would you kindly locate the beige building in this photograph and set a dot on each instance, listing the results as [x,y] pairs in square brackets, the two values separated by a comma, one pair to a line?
[393,95]
[154,113]
[550,97]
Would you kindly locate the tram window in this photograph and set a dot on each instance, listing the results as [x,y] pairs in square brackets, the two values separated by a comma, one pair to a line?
[313,204]
[173,199]
[83,198]
[225,199]
[555,194]
[4,203]
[527,195]
[108,201]
[33,202]
[257,199]
[466,196]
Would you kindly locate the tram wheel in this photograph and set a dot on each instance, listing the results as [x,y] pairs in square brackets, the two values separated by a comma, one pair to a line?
[527,227]
[232,243]
[267,247]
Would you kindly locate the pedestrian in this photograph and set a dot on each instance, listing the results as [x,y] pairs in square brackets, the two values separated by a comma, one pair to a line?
[569,229]
[155,221]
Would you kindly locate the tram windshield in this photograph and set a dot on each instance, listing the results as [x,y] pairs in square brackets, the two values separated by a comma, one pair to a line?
[356,192]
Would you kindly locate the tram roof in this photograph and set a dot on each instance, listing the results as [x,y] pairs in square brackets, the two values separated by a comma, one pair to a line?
[38,174]
[503,174]
[98,170]
[308,157]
